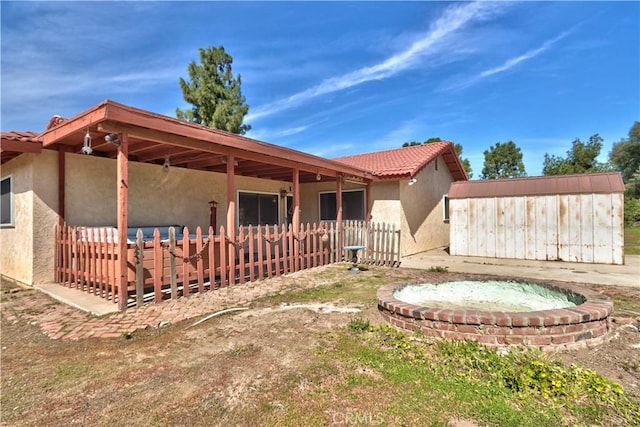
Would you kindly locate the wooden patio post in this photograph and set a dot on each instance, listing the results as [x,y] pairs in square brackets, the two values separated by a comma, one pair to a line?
[296,218]
[231,217]
[123,219]
[61,182]
[367,197]
[339,215]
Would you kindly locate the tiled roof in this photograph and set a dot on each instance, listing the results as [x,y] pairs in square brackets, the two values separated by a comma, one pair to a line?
[27,136]
[13,143]
[608,182]
[406,162]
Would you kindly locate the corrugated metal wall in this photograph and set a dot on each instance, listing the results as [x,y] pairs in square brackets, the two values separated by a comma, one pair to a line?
[578,228]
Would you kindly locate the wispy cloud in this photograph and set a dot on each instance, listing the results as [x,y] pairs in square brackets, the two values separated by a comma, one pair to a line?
[453,19]
[508,64]
[271,134]
[332,150]
[528,55]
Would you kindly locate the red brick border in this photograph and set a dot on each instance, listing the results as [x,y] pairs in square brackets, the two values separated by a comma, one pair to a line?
[584,325]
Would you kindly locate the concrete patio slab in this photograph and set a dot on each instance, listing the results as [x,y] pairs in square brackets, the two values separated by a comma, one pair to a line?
[599,274]
[78,299]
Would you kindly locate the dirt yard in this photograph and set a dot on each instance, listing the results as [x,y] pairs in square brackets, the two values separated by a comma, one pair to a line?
[232,368]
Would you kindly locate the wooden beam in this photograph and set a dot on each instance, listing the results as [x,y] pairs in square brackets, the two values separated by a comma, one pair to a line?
[205,163]
[7,145]
[61,183]
[339,214]
[159,152]
[78,123]
[231,217]
[367,197]
[123,219]
[210,140]
[296,217]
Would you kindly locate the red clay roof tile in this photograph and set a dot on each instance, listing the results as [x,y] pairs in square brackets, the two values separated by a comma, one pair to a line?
[14,143]
[406,162]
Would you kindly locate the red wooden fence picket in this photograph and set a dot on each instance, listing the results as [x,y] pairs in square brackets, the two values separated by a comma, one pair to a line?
[87,258]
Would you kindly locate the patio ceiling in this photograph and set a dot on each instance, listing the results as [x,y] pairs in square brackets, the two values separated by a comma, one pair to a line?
[153,138]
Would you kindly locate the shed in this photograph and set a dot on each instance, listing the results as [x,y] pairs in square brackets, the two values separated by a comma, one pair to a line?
[576,218]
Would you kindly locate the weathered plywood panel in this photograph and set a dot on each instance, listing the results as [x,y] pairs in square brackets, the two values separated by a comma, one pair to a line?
[575,234]
[617,218]
[501,246]
[586,214]
[509,227]
[520,213]
[531,231]
[473,226]
[490,214]
[603,229]
[551,226]
[459,220]
[564,239]
[482,230]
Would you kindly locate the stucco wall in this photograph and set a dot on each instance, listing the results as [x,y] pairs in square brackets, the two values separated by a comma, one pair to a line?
[385,200]
[156,197]
[423,225]
[45,214]
[16,243]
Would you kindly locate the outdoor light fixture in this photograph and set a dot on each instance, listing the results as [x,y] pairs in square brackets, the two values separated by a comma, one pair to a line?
[412,181]
[86,145]
[166,164]
[318,177]
[113,139]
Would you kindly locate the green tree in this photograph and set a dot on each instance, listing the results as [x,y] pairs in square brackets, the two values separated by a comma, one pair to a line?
[503,161]
[214,93]
[465,162]
[581,158]
[625,158]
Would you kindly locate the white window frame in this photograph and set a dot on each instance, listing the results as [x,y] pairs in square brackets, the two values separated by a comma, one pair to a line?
[277,195]
[11,222]
[364,203]
[446,207]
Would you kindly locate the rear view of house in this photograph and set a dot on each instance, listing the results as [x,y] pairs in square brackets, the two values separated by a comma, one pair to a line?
[75,195]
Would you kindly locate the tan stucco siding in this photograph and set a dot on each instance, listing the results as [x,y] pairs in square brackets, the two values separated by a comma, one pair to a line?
[90,190]
[16,243]
[385,203]
[156,197]
[45,215]
[423,225]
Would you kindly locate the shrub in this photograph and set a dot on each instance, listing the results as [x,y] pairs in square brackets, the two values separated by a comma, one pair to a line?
[631,212]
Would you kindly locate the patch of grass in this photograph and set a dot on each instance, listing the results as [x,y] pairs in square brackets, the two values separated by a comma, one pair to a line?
[632,240]
[345,287]
[626,305]
[432,382]
[438,269]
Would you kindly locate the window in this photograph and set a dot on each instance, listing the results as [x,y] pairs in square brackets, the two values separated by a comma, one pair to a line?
[352,205]
[445,208]
[6,201]
[258,209]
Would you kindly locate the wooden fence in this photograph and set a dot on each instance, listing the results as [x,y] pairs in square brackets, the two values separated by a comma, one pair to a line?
[171,266]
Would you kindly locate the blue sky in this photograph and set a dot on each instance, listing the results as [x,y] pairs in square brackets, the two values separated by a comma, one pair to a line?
[338,78]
